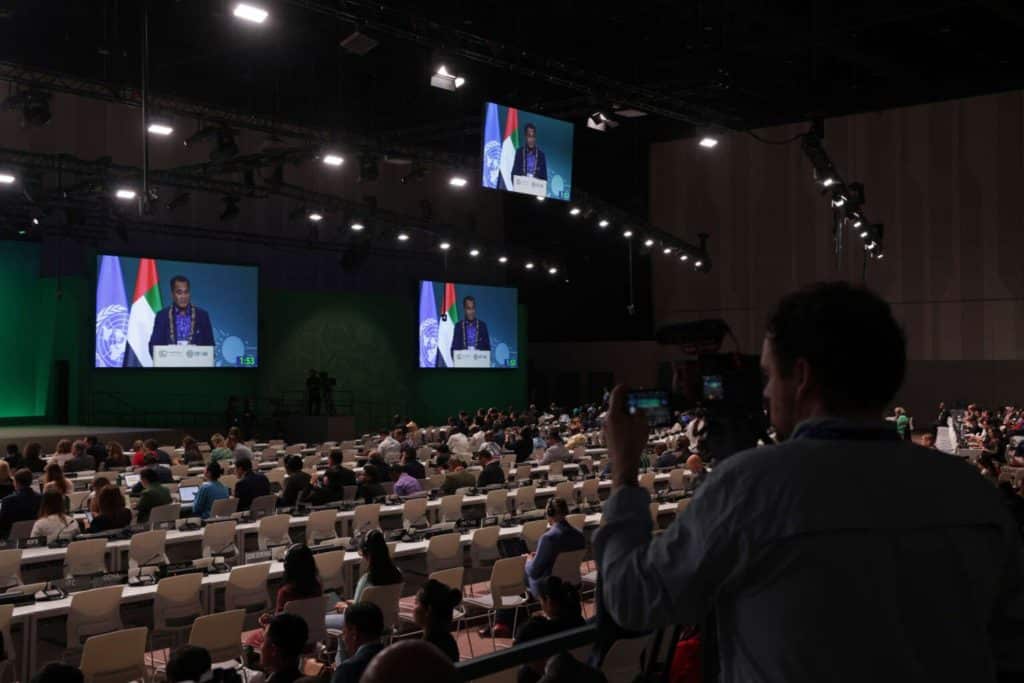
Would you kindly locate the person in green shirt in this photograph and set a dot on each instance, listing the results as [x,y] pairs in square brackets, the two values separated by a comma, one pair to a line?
[154,494]
[902,423]
[457,477]
[220,451]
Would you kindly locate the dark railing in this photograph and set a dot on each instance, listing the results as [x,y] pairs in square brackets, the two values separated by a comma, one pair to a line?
[541,648]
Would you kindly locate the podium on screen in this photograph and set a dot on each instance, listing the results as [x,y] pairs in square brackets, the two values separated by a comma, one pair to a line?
[529,185]
[471,359]
[183,356]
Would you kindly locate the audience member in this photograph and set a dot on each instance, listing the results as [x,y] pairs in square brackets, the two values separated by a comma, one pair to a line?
[54,522]
[410,660]
[189,664]
[282,648]
[33,458]
[491,473]
[405,485]
[54,478]
[390,446]
[220,452]
[209,492]
[369,484]
[296,486]
[411,463]
[560,537]
[113,513]
[698,472]
[58,672]
[251,484]
[191,455]
[63,453]
[663,457]
[138,453]
[556,452]
[13,458]
[458,444]
[331,488]
[301,580]
[457,477]
[97,450]
[834,357]
[238,449]
[116,457]
[523,446]
[20,506]
[152,447]
[6,480]
[902,421]
[382,466]
[80,460]
[380,571]
[433,613]
[345,476]
[154,494]
[360,639]
[561,610]
[91,502]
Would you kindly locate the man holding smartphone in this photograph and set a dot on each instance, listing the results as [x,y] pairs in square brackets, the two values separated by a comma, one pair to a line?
[816,568]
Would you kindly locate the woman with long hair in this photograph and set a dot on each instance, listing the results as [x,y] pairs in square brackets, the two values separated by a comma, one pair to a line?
[301,580]
[33,458]
[190,451]
[116,456]
[433,613]
[6,482]
[92,501]
[560,603]
[55,476]
[111,512]
[54,522]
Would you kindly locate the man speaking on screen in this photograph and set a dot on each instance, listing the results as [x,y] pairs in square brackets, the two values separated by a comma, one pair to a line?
[470,333]
[530,160]
[182,322]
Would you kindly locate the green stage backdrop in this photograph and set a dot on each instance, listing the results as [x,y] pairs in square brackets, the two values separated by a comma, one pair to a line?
[368,342]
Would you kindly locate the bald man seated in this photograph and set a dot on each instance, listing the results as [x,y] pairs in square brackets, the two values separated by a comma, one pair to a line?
[698,473]
[409,660]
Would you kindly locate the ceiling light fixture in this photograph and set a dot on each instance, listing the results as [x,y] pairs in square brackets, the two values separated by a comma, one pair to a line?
[445,246]
[503,259]
[574,211]
[160,129]
[529,265]
[708,142]
[357,226]
[333,159]
[6,178]
[125,193]
[316,217]
[457,181]
[256,15]
[474,252]
[648,242]
[403,237]
[603,223]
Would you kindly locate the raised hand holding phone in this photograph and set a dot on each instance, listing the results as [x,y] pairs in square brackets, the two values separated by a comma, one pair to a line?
[626,436]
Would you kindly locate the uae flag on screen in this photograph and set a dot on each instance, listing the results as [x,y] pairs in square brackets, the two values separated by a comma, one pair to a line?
[145,305]
[509,145]
[446,325]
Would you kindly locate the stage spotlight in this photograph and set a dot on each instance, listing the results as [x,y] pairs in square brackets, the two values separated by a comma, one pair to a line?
[880,255]
[666,250]
[552,271]
[529,265]
[503,259]
[838,199]
[474,252]
[160,129]
[445,245]
[315,216]
[648,242]
[125,193]
[574,211]
[627,233]
[857,223]
[698,264]
[333,159]
[457,181]
[35,221]
[230,208]
[601,122]
[863,234]
[403,237]
[256,15]
[6,179]
[870,246]
[684,257]
[708,142]
[603,223]
[356,226]
[445,80]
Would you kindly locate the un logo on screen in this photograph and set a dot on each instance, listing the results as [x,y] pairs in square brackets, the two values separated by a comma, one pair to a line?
[111,336]
[428,342]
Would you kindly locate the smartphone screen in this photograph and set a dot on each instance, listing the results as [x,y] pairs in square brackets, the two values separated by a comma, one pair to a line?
[653,403]
[714,389]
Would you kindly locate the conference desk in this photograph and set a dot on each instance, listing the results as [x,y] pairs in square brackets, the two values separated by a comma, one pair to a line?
[30,616]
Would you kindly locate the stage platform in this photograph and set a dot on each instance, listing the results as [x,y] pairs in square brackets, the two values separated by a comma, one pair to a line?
[49,435]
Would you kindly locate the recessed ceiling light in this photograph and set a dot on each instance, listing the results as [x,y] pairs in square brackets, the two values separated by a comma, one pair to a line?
[316,217]
[357,226]
[333,159]
[457,181]
[574,211]
[552,271]
[474,252]
[529,265]
[648,242]
[540,198]
[708,142]
[698,264]
[627,233]
[503,259]
[6,178]
[125,193]
[403,237]
[603,223]
[666,250]
[445,246]
[257,15]
[684,257]
[160,129]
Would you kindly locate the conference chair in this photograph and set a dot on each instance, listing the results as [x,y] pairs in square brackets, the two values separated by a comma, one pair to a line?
[247,589]
[507,591]
[276,478]
[310,462]
[414,513]
[577,520]
[365,518]
[556,469]
[21,530]
[115,657]
[76,500]
[526,498]
[312,612]
[164,513]
[387,599]
[483,547]
[566,491]
[220,634]
[646,480]
[655,509]
[497,503]
[10,569]
[225,507]
[450,509]
[532,531]
[523,472]
[86,558]
[294,449]
[677,479]
[331,567]
[321,526]
[219,540]
[263,506]
[624,659]
[589,492]
[176,606]
[229,480]
[7,664]
[148,548]
[452,578]
[93,612]
[567,566]
[273,531]
[444,551]
[179,471]
[191,481]
[579,453]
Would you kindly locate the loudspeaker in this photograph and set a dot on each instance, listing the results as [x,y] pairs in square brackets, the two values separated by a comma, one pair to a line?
[61,390]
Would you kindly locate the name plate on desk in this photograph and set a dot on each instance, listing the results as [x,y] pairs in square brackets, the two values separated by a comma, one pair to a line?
[182,356]
[471,359]
[529,185]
